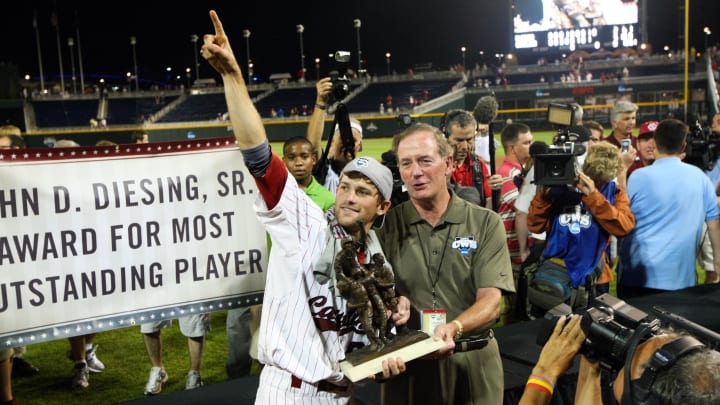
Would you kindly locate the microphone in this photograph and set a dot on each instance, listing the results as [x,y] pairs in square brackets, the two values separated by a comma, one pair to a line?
[538,148]
[486,109]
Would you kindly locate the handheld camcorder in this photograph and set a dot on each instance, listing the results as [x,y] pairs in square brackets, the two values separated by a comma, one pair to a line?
[557,164]
[702,146]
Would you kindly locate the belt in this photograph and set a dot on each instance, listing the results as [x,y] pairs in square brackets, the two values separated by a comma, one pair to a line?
[322,386]
[475,342]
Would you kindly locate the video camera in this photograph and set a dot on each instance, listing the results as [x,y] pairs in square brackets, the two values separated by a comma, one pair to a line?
[557,164]
[608,326]
[702,146]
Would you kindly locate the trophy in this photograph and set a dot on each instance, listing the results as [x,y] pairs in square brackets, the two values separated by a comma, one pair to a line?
[370,291]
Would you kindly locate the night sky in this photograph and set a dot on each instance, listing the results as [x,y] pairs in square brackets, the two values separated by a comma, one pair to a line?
[417,31]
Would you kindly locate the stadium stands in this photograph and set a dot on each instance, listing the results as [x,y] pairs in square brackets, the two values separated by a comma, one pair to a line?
[65,112]
[135,110]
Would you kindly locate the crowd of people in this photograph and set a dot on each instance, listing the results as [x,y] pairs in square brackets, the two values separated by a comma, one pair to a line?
[457,263]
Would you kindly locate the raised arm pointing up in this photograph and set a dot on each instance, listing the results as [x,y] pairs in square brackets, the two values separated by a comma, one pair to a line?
[246,122]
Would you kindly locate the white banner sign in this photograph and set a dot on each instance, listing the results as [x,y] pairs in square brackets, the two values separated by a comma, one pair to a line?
[98,238]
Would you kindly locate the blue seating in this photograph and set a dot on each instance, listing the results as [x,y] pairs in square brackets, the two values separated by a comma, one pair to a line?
[65,113]
[369,100]
[135,110]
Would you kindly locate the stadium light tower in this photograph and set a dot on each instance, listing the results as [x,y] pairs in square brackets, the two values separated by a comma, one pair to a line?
[300,30]
[387,59]
[463,50]
[246,35]
[317,69]
[707,32]
[133,42]
[71,44]
[194,39]
[357,24]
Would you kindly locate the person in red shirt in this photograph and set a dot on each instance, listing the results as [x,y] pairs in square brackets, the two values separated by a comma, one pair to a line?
[645,144]
[459,126]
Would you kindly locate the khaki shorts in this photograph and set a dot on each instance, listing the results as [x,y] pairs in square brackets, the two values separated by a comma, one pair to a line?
[190,326]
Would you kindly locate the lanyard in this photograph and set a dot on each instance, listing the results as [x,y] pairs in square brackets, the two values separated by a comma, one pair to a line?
[426,257]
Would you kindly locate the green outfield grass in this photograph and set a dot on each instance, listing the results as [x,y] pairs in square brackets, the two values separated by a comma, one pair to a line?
[376,146]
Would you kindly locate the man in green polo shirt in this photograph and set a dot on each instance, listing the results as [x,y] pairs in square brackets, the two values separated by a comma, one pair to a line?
[451,259]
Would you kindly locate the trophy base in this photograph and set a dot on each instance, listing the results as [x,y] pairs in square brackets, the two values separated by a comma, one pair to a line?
[360,364]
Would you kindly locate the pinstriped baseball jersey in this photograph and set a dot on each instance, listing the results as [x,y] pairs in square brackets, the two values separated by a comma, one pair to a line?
[304,327]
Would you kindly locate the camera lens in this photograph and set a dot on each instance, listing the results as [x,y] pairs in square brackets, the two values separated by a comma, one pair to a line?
[556,168]
[607,340]
[341,88]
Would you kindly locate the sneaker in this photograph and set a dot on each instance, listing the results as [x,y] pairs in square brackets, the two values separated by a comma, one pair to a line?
[193,380]
[21,368]
[157,377]
[81,375]
[94,364]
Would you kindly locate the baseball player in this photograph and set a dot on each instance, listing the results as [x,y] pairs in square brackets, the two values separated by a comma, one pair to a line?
[305,328]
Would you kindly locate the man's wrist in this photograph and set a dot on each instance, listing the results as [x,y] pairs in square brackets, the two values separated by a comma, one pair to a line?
[460,330]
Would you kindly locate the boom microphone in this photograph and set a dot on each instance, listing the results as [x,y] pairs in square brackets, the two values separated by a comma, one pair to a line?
[538,148]
[486,109]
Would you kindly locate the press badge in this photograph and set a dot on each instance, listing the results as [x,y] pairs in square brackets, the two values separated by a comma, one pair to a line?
[431,318]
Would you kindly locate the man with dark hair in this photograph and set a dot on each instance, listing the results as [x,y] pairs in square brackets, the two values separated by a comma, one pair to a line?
[459,126]
[516,139]
[659,254]
[300,158]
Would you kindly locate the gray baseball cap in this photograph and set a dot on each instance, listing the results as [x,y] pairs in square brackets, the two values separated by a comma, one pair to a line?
[379,174]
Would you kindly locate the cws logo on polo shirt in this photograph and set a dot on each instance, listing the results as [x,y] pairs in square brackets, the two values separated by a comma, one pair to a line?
[464,244]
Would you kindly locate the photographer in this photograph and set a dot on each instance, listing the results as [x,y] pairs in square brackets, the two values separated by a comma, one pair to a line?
[579,219]
[338,155]
[690,377]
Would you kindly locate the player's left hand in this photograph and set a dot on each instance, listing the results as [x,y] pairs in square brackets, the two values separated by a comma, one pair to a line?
[391,368]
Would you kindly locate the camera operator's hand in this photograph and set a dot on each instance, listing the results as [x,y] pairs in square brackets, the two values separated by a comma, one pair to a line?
[560,349]
[555,358]
[324,88]
[585,184]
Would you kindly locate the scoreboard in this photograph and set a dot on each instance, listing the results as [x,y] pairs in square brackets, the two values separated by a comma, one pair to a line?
[569,25]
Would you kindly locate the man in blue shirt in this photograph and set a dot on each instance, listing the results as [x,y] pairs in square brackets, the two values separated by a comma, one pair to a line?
[659,254]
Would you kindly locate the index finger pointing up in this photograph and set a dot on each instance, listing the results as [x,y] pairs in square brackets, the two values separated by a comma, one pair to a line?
[219,31]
